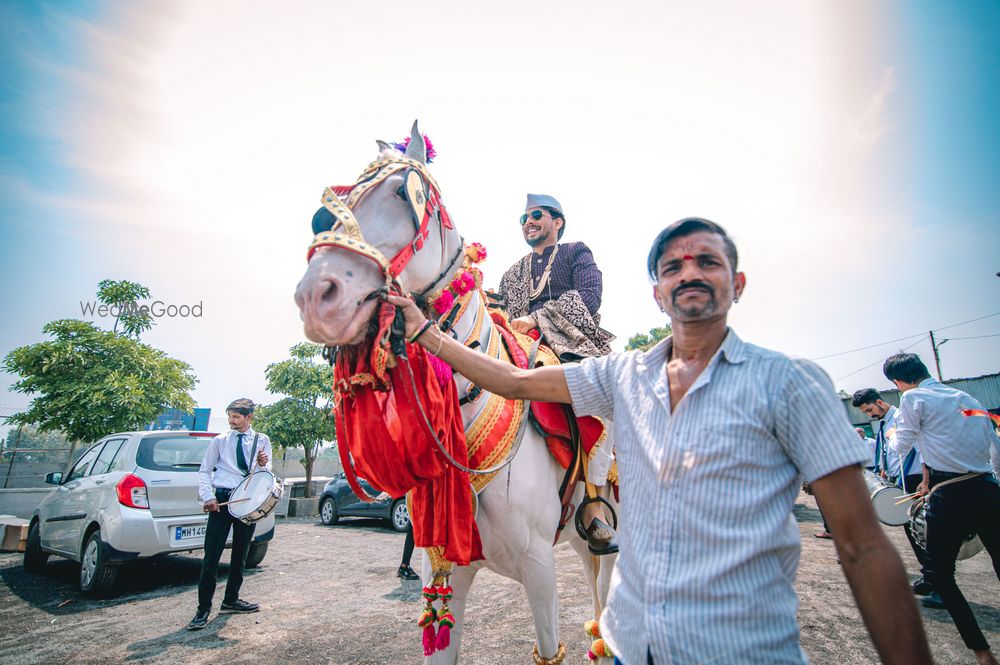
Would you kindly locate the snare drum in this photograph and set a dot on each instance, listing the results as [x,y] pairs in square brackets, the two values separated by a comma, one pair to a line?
[884,496]
[255,497]
[918,526]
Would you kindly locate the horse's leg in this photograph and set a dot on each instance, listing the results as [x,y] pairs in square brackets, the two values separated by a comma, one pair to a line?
[461,582]
[538,575]
[592,565]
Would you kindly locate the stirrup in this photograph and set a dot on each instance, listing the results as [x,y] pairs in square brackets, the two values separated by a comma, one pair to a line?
[581,530]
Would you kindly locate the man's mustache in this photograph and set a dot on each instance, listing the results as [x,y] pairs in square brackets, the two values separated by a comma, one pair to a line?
[692,285]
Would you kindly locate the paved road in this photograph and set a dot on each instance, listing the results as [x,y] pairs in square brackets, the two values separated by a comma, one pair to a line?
[330,595]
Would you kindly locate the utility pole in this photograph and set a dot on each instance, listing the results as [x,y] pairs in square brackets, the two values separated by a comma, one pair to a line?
[937,357]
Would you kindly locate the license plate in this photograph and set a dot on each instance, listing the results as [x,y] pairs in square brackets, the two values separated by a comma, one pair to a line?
[189,532]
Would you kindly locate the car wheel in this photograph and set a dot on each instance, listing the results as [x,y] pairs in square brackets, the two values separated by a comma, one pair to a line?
[256,554]
[328,511]
[34,557]
[399,516]
[96,576]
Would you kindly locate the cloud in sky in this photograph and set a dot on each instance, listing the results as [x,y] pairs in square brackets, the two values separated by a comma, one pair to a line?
[197,138]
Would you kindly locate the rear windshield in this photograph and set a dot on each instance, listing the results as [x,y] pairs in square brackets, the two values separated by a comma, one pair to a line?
[172,453]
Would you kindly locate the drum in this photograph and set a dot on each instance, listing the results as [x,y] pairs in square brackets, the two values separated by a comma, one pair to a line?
[884,496]
[918,526]
[255,498]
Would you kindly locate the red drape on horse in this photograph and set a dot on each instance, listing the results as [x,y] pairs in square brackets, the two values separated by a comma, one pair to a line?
[399,454]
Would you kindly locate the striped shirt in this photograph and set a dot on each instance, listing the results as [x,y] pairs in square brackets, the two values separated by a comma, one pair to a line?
[709,546]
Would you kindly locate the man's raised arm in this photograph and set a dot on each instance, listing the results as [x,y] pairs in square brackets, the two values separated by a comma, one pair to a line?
[545,384]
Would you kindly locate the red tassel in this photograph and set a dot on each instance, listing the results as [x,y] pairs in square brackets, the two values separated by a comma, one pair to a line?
[444,637]
[429,640]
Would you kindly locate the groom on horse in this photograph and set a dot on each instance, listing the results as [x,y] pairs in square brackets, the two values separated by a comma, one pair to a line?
[557,290]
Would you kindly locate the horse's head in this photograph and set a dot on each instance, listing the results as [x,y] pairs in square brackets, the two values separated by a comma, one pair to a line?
[387,231]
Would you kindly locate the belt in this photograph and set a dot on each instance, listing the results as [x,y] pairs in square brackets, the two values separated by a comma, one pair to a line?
[948,475]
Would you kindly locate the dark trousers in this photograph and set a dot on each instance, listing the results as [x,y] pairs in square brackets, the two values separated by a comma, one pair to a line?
[408,547]
[952,513]
[216,534]
[911,485]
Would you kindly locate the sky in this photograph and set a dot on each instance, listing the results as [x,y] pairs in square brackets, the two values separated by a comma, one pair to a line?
[850,149]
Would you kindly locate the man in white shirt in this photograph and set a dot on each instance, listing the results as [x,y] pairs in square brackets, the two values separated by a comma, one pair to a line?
[904,470]
[713,436]
[964,497]
[229,459]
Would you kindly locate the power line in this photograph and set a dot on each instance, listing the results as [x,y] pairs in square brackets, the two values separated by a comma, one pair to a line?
[865,348]
[955,325]
[901,339]
[879,361]
[956,339]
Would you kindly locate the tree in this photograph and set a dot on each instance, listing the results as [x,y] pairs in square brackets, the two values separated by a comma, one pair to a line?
[90,382]
[643,342]
[303,418]
[123,299]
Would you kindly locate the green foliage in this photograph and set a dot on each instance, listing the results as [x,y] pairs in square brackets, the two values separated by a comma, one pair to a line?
[643,342]
[303,418]
[90,382]
[294,423]
[123,296]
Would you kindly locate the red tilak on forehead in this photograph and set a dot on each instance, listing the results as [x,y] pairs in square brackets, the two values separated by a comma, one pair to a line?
[687,257]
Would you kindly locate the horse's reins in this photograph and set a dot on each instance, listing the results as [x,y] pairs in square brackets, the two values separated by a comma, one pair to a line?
[399,348]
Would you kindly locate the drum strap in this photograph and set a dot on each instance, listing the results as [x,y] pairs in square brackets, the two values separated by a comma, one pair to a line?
[253,454]
[926,498]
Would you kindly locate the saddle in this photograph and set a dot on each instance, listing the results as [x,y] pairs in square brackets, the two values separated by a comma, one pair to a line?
[567,435]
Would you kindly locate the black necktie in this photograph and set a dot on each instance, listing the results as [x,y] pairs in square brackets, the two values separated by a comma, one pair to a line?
[241,457]
[882,451]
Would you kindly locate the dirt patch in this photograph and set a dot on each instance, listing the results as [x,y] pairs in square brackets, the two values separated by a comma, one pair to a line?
[330,595]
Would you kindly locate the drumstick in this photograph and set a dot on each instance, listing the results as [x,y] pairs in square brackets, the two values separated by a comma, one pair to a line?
[226,503]
[907,497]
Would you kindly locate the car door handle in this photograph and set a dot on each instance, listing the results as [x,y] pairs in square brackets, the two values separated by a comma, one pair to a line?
[100,482]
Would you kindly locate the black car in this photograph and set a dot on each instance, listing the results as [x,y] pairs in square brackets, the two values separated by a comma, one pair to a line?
[338,500]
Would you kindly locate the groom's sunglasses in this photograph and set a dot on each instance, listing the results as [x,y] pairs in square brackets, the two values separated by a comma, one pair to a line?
[534,214]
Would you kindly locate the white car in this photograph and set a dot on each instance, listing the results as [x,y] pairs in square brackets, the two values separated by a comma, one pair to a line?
[130,496]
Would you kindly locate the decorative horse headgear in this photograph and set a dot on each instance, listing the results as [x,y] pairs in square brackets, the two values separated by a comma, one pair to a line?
[421,192]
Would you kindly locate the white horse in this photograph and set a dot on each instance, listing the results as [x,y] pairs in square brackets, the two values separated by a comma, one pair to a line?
[517,515]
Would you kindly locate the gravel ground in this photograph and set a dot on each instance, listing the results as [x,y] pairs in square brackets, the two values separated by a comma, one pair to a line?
[330,595]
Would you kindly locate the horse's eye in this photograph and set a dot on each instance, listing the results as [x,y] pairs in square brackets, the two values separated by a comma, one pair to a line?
[401,193]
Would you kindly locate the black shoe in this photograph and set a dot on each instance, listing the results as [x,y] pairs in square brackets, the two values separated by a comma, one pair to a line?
[922,587]
[239,606]
[199,621]
[407,573]
[933,601]
[601,538]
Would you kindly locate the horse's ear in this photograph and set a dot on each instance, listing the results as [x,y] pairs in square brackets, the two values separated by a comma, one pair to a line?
[416,150]
[382,145]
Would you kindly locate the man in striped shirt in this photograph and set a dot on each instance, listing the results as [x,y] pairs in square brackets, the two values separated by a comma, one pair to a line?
[713,435]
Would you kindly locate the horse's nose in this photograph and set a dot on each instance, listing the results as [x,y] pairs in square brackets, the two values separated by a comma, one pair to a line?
[320,297]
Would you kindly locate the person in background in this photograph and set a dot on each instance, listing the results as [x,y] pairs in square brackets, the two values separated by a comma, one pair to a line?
[229,459]
[962,495]
[905,471]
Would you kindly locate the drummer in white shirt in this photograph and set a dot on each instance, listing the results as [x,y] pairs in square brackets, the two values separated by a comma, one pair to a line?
[229,459]
[962,495]
[906,471]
